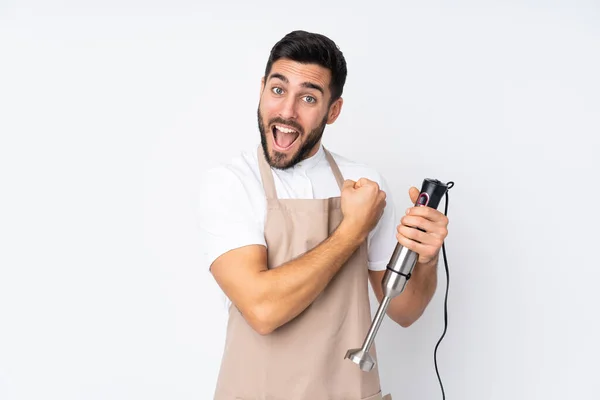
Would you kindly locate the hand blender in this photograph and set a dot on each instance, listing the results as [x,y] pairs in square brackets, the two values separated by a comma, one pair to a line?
[396,275]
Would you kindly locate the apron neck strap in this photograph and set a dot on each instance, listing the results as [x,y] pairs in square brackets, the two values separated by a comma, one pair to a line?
[267,175]
[334,167]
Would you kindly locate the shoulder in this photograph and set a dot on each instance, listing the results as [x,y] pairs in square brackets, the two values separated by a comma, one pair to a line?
[232,187]
[230,207]
[354,170]
[239,172]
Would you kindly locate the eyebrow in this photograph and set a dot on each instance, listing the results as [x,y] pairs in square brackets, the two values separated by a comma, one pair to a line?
[308,85]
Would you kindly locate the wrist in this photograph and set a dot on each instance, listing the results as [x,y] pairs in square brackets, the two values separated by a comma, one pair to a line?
[431,264]
[352,232]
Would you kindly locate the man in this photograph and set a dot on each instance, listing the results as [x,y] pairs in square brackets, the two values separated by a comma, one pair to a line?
[294,233]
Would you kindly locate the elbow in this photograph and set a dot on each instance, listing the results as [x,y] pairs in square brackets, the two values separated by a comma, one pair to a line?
[407,313]
[404,318]
[260,319]
[262,328]
[404,321]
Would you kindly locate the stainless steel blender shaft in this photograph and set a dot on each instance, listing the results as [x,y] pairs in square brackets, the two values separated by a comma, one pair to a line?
[394,281]
[361,356]
[376,322]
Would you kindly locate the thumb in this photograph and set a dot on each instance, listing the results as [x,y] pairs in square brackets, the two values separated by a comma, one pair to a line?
[348,183]
[413,192]
[361,182]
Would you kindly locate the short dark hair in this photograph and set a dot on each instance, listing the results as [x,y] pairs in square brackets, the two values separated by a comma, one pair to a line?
[307,47]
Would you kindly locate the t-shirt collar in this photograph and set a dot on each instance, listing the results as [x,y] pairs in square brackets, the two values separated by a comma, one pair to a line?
[310,162]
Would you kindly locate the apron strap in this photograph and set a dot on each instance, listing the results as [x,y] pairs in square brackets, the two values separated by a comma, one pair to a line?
[334,167]
[266,174]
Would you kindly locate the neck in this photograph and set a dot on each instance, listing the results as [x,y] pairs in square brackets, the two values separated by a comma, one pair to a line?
[314,150]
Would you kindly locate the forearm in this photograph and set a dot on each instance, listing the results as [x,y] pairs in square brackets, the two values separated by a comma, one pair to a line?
[285,291]
[420,288]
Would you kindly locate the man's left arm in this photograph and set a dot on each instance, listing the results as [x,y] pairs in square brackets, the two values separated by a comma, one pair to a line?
[406,308]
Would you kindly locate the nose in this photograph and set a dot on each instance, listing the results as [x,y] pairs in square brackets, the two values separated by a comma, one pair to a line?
[288,108]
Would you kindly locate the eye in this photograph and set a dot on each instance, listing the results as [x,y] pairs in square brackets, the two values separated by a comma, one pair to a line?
[277,90]
[310,99]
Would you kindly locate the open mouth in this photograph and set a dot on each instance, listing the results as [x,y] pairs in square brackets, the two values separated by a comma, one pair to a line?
[284,137]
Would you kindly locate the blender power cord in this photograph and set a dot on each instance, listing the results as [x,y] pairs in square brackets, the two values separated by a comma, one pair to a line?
[450,185]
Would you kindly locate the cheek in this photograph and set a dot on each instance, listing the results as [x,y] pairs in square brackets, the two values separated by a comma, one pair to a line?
[316,118]
[269,103]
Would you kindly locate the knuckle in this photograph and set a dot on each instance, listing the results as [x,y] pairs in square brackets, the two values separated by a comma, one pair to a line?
[403,240]
[415,234]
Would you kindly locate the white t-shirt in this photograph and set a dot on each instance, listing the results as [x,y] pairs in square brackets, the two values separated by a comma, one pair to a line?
[232,203]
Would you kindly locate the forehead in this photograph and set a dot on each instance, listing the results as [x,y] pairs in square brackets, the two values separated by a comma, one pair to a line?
[299,73]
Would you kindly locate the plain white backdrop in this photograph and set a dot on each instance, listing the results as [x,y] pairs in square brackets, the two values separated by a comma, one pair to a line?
[109,112]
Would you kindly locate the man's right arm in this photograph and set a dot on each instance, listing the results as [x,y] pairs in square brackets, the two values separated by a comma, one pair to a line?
[269,298]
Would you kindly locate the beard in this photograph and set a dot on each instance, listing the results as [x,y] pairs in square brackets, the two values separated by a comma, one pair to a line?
[278,159]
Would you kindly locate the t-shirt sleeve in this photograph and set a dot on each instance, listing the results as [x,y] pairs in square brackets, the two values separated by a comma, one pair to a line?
[382,239]
[226,216]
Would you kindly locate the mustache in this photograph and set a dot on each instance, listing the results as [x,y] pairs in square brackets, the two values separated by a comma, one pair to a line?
[282,121]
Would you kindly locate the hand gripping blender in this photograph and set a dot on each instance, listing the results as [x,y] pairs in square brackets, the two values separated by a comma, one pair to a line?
[396,275]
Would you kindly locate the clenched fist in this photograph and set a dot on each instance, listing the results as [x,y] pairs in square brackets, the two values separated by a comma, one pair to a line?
[428,241]
[363,203]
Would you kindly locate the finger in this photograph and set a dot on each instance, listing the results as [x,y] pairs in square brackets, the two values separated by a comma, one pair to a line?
[423,250]
[348,183]
[435,236]
[435,239]
[366,182]
[419,222]
[361,182]
[381,212]
[428,213]
[414,234]
[413,193]
[411,221]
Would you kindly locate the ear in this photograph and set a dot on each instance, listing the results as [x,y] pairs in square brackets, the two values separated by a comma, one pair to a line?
[334,110]
[262,84]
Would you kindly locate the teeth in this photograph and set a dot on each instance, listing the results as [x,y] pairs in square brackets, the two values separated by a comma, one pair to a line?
[284,130]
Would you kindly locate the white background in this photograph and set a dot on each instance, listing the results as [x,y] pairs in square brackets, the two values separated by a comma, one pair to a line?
[109,112]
